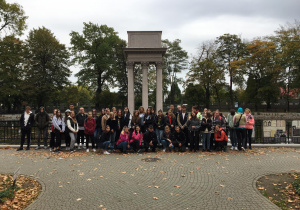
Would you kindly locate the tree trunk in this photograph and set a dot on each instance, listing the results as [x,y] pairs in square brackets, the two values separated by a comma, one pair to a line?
[230,93]
[98,91]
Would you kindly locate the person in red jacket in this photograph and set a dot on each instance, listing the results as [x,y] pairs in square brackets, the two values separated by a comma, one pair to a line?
[89,130]
[221,138]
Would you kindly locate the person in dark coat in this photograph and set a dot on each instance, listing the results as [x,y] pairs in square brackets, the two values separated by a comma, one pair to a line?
[150,139]
[42,122]
[26,123]
[179,139]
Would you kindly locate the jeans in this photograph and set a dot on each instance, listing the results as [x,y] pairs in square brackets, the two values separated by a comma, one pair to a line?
[248,138]
[80,137]
[159,134]
[206,141]
[73,137]
[88,138]
[25,132]
[123,146]
[166,144]
[97,133]
[42,132]
[194,140]
[107,145]
[233,137]
[241,134]
[67,138]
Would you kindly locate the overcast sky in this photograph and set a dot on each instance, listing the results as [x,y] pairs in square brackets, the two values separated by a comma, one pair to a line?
[192,21]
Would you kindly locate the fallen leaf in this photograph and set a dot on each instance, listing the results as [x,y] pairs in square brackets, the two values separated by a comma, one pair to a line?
[78,199]
[156,187]
[182,175]
[177,186]
[124,172]
[60,186]
[221,185]
[155,198]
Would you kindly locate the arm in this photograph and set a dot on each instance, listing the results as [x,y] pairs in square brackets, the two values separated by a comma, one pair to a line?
[36,119]
[69,126]
[197,127]
[54,122]
[103,123]
[63,125]
[178,120]
[141,138]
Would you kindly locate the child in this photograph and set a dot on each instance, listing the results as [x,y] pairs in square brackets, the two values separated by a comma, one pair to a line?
[221,138]
[105,140]
[179,139]
[89,130]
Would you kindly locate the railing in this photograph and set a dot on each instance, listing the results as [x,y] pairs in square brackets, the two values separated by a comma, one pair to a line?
[10,133]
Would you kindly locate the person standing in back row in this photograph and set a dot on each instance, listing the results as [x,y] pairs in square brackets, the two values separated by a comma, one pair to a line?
[249,127]
[42,121]
[26,122]
[182,119]
[89,131]
[239,122]
[80,117]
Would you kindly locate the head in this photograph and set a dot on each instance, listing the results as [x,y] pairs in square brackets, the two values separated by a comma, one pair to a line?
[170,112]
[27,109]
[67,113]
[102,111]
[107,128]
[217,113]
[160,113]
[111,115]
[178,108]
[136,113]
[73,114]
[204,110]
[148,111]
[54,111]
[94,112]
[71,106]
[114,110]
[240,110]
[126,110]
[126,129]
[217,128]
[167,129]
[150,128]
[42,109]
[119,113]
[208,115]
[137,128]
[172,107]
[183,108]
[90,115]
[81,110]
[58,113]
[232,112]
[152,110]
[177,129]
[193,115]
[141,110]
[107,111]
[247,111]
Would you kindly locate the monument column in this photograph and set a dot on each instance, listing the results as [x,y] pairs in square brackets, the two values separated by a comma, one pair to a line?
[130,76]
[159,88]
[145,66]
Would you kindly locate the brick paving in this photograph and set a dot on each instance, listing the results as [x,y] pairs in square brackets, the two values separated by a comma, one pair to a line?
[178,181]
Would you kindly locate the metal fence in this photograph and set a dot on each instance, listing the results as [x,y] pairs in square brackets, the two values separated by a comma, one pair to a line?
[10,133]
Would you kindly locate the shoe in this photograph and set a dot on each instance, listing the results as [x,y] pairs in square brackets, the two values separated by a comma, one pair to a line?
[139,152]
[27,148]
[21,148]
[94,150]
[250,148]
[50,149]
[78,147]
[125,152]
[164,150]
[243,148]
[209,150]
[235,148]
[232,148]
[37,148]
[71,151]
[106,153]
[203,150]
[87,150]
[45,147]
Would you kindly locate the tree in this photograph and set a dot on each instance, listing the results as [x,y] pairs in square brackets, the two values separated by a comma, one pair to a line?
[194,95]
[205,71]
[175,61]
[263,71]
[12,52]
[47,66]
[98,52]
[12,18]
[174,96]
[230,49]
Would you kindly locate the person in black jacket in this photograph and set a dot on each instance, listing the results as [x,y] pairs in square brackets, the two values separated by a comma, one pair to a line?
[179,139]
[182,119]
[127,118]
[170,120]
[120,122]
[159,124]
[167,139]
[206,125]
[149,118]
[105,142]
[150,139]
[42,121]
[80,117]
[26,123]
[113,124]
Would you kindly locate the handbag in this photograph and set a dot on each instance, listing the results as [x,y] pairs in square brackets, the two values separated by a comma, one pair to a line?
[237,124]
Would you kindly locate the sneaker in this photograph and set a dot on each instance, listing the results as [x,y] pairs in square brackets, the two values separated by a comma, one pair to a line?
[139,152]
[80,144]
[243,148]
[164,150]
[235,148]
[21,148]
[72,151]
[106,153]
[232,148]
[87,150]
[50,149]
[79,147]
[94,150]
[37,148]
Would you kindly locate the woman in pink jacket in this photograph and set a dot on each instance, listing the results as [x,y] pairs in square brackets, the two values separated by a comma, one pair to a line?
[136,139]
[123,142]
[249,127]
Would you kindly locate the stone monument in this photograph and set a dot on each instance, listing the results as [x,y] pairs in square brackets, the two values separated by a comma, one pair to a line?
[145,48]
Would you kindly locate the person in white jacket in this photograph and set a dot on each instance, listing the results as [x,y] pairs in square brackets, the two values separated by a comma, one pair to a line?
[73,129]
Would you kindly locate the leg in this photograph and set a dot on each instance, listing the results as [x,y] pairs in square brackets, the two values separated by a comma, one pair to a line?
[204,136]
[93,141]
[39,133]
[52,139]
[87,141]
[72,143]
[45,133]
[28,138]
[164,144]
[244,141]
[154,146]
[197,141]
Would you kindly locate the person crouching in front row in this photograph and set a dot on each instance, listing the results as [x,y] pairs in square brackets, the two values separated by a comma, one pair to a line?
[150,139]
[123,142]
[105,142]
[179,139]
[221,138]
[136,139]
[167,139]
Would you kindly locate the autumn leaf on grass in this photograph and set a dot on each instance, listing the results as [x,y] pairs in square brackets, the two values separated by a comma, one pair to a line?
[89,179]
[155,198]
[191,172]
[60,186]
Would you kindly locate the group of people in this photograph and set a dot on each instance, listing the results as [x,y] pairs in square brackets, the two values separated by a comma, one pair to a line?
[144,129]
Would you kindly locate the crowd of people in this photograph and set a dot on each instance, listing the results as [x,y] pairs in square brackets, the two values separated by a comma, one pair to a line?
[143,130]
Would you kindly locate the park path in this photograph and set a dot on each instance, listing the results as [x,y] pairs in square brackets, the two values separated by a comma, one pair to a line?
[176,181]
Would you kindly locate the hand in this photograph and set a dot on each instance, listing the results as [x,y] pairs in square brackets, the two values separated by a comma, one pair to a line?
[170,145]
[182,127]
[180,144]
[128,145]
[112,130]
[61,131]
[133,127]
[193,127]
[144,122]
[150,144]
[172,126]
[76,132]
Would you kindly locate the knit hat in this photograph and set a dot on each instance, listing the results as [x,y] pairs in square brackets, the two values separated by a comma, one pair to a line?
[68,110]
[240,110]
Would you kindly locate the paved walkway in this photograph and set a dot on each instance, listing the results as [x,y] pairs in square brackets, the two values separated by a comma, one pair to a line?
[185,181]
